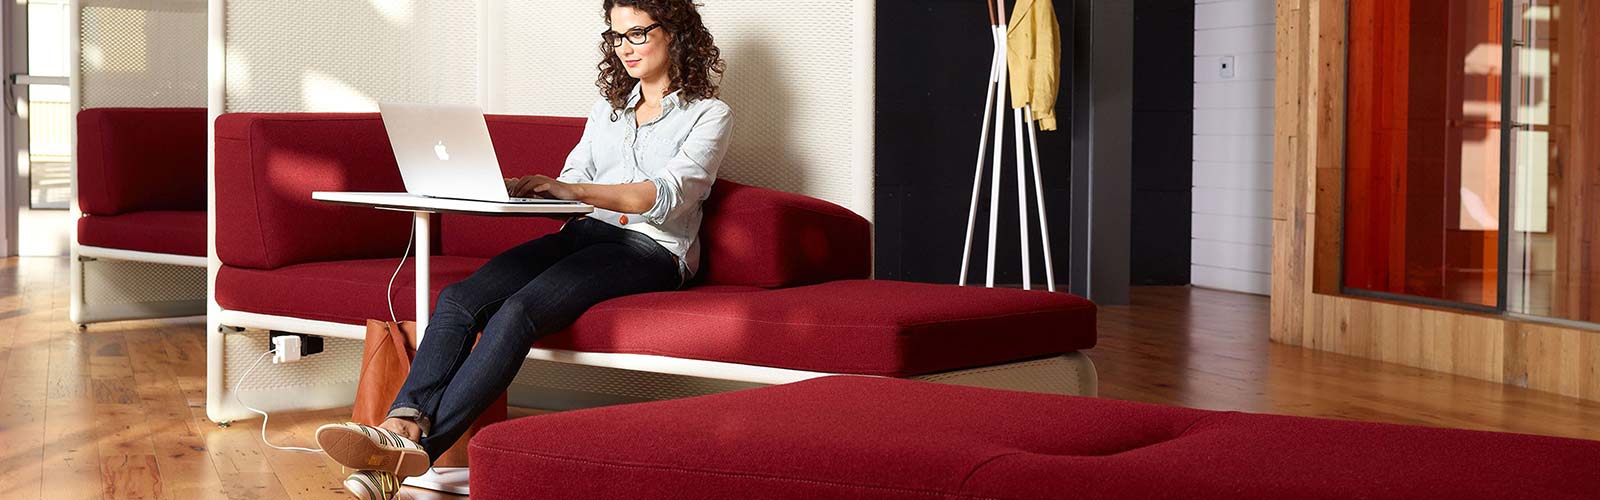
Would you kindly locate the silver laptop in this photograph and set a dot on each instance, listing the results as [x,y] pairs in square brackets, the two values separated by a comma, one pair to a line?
[444,151]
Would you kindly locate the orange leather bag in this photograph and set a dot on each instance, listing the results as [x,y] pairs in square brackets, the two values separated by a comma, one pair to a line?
[385,362]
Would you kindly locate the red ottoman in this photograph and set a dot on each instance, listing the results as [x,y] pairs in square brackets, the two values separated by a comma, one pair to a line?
[881,438]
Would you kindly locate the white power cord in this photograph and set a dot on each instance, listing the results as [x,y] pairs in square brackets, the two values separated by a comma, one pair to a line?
[388,293]
[264,416]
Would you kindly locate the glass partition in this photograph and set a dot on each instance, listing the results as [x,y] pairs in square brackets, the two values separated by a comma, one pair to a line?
[1554,242]
[1432,172]
[1422,159]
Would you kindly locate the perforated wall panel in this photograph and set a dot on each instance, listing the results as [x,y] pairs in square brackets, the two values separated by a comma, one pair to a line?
[111,281]
[791,81]
[150,56]
[340,362]
[314,55]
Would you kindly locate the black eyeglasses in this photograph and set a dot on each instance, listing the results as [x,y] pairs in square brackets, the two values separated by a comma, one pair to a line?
[636,36]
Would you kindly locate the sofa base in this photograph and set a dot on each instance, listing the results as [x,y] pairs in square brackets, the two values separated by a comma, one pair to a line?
[549,379]
[113,285]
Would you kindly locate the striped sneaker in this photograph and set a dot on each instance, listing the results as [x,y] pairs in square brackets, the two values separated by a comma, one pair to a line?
[364,447]
[372,485]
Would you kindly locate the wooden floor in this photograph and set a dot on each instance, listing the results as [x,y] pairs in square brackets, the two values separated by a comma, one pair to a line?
[119,411]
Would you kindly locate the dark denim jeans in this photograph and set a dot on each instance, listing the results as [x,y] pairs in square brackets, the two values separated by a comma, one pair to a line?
[538,288]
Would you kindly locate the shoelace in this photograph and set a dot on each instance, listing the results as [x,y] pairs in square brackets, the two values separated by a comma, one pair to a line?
[387,484]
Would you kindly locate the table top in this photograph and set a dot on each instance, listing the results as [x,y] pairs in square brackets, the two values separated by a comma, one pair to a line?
[407,202]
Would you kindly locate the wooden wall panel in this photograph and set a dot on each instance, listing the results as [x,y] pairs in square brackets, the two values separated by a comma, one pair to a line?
[1307,310]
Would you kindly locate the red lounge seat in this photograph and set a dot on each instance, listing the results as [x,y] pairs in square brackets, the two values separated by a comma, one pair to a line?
[887,328]
[165,232]
[867,327]
[877,438]
[142,179]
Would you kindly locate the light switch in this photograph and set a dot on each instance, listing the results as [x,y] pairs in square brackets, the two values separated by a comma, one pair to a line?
[1225,67]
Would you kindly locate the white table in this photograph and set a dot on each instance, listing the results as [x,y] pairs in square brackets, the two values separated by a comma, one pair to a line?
[446,479]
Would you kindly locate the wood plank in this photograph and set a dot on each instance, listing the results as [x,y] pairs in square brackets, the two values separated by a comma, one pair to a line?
[1286,110]
[132,477]
[72,462]
[305,475]
[22,428]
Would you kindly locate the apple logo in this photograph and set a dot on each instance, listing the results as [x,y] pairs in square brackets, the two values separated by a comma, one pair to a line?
[440,151]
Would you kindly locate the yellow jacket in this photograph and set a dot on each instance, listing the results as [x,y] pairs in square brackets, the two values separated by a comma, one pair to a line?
[1033,57]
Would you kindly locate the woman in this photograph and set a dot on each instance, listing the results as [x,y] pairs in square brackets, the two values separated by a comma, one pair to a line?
[646,162]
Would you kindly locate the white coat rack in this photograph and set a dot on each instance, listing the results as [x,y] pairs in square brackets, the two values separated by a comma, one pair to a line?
[994,109]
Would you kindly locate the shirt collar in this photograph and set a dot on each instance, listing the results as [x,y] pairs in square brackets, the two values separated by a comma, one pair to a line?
[669,101]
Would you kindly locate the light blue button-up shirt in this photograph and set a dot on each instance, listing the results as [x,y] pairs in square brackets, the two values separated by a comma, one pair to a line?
[679,151]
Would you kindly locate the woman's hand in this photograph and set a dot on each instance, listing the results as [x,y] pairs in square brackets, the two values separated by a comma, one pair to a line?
[541,186]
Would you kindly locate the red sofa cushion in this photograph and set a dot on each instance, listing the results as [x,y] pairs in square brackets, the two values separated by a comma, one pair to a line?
[166,232]
[874,438]
[888,328]
[348,292]
[138,159]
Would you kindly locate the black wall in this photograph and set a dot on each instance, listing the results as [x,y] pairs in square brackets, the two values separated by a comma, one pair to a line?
[933,61]
[1163,132]
[932,64]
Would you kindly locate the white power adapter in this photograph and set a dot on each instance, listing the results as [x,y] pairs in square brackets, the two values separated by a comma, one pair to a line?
[285,349]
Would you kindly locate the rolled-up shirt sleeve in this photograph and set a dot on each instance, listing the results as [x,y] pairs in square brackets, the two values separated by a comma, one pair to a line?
[689,175]
[580,167]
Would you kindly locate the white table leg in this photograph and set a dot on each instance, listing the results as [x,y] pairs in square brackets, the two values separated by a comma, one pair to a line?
[419,220]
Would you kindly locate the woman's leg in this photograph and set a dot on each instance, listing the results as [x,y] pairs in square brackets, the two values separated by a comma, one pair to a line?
[461,312]
[548,304]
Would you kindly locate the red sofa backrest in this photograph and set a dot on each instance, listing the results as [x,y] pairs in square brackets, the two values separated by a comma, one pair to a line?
[137,159]
[761,237]
[268,165]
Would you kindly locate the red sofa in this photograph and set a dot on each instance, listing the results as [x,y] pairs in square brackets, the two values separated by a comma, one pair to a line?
[782,284]
[877,438]
[142,179]
[140,250]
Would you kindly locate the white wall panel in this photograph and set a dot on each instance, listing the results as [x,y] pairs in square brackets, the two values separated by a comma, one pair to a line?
[1236,121]
[1230,279]
[1232,14]
[1236,202]
[1233,122]
[1232,149]
[1232,229]
[1235,256]
[1233,94]
[1234,40]
[1252,176]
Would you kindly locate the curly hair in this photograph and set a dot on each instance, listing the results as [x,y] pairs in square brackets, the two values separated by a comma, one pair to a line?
[696,62]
